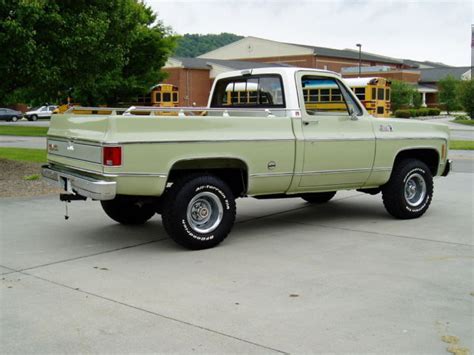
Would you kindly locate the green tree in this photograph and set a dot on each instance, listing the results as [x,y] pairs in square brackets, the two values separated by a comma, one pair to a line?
[193,45]
[466,96]
[448,93]
[417,99]
[402,95]
[96,51]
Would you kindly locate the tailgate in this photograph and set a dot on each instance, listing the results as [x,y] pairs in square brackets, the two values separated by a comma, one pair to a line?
[76,141]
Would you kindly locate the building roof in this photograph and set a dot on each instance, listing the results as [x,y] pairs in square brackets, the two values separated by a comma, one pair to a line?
[204,63]
[350,54]
[424,64]
[436,74]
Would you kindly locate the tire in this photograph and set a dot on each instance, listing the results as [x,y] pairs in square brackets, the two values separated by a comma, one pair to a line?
[126,210]
[33,117]
[409,191]
[319,197]
[14,119]
[199,211]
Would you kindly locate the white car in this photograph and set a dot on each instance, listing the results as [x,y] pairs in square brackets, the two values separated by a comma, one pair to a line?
[40,112]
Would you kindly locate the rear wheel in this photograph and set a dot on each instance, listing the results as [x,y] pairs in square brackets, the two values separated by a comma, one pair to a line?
[319,197]
[409,191]
[126,210]
[199,211]
[33,117]
[14,119]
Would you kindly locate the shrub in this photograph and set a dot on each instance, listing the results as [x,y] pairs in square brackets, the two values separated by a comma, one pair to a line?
[434,111]
[402,113]
[423,112]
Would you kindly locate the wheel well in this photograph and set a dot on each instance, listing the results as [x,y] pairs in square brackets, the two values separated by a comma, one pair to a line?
[428,156]
[234,172]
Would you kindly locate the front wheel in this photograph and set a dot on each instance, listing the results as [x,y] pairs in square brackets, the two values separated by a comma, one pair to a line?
[126,210]
[199,211]
[409,191]
[14,118]
[318,197]
[33,118]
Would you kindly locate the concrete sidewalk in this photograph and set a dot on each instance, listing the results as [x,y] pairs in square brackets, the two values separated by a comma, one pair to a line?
[343,277]
[23,142]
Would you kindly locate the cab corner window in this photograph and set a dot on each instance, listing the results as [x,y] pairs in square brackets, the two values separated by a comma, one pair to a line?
[327,96]
[264,91]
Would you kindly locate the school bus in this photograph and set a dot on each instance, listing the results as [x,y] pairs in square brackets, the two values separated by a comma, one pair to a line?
[164,95]
[374,93]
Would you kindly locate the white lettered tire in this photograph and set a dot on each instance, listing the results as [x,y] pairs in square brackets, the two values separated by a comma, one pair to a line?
[199,211]
[409,191]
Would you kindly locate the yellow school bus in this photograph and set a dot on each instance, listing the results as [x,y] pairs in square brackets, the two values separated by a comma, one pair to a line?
[164,95]
[374,93]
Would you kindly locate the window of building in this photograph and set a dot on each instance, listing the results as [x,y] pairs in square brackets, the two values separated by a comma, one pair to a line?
[264,91]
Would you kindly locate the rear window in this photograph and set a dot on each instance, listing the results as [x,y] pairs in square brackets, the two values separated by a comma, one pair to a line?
[251,91]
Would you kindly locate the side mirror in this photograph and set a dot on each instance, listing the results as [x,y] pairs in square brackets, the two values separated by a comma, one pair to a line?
[352,114]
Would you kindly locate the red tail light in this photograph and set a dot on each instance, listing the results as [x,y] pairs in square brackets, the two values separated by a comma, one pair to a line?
[112,156]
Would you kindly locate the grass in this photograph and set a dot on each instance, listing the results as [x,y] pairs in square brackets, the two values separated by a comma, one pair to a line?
[23,131]
[465,121]
[461,145]
[32,177]
[24,154]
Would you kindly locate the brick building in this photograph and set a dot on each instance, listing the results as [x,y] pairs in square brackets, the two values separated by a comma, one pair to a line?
[194,76]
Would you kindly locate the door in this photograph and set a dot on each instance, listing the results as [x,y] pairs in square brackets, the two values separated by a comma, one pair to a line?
[339,142]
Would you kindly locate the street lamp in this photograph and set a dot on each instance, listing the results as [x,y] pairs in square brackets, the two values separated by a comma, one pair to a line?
[360,48]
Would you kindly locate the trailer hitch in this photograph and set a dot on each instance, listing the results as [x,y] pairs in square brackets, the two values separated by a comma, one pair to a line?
[67,198]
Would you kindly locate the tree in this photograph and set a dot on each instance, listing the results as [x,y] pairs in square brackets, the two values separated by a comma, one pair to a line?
[417,99]
[448,93]
[96,51]
[402,95]
[466,96]
[193,45]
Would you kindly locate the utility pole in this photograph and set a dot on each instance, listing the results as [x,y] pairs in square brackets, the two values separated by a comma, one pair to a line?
[360,49]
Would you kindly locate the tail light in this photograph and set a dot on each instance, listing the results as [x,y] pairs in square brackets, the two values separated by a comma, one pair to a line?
[112,156]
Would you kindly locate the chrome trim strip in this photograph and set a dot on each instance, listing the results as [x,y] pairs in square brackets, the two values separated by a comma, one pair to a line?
[338,139]
[110,175]
[320,172]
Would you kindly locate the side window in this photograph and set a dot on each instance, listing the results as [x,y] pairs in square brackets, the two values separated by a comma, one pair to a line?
[327,96]
[45,108]
[380,94]
[252,91]
[360,93]
[387,94]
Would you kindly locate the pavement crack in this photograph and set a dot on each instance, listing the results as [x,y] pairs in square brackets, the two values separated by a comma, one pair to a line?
[89,255]
[155,313]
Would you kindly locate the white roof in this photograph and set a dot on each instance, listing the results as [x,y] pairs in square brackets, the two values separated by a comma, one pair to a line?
[284,71]
[353,82]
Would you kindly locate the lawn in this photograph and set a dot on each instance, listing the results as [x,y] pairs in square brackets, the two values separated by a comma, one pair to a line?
[461,145]
[24,154]
[466,122]
[23,131]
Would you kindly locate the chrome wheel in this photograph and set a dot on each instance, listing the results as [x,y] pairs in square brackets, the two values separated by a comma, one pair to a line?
[204,212]
[415,190]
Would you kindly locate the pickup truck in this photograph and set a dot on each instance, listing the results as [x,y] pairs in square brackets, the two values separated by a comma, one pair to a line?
[257,137]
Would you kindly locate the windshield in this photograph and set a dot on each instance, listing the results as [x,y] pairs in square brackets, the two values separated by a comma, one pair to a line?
[35,108]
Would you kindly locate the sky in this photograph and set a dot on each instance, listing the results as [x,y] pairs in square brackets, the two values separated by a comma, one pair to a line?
[432,30]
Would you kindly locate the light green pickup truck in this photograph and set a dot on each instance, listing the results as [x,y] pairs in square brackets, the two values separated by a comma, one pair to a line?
[258,137]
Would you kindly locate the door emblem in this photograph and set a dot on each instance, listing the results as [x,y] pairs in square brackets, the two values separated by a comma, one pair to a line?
[386,128]
[70,147]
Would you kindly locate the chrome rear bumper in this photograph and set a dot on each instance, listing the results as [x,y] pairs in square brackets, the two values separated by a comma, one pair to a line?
[80,184]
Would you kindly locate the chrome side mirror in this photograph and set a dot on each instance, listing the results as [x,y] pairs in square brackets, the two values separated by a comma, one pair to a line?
[352,114]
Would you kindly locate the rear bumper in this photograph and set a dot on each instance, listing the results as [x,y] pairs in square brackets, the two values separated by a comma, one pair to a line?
[80,184]
[447,168]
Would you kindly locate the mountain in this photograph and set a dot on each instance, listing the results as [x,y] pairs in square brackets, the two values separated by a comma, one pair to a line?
[193,44]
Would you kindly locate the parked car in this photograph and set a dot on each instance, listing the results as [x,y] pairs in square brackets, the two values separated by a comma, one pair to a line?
[259,136]
[45,111]
[7,114]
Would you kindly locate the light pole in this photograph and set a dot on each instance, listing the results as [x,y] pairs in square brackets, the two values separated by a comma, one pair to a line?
[360,49]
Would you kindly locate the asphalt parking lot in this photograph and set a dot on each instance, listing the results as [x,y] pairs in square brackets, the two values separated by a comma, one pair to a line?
[344,277]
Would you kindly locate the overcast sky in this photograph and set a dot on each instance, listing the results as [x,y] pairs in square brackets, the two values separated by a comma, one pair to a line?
[415,29]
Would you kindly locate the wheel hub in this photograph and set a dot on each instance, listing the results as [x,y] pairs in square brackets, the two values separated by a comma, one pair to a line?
[415,190]
[204,212]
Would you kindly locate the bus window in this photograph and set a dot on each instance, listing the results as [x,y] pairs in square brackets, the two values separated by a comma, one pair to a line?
[336,95]
[380,110]
[158,97]
[380,94]
[166,97]
[374,94]
[360,93]
[324,95]
[175,97]
[387,94]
